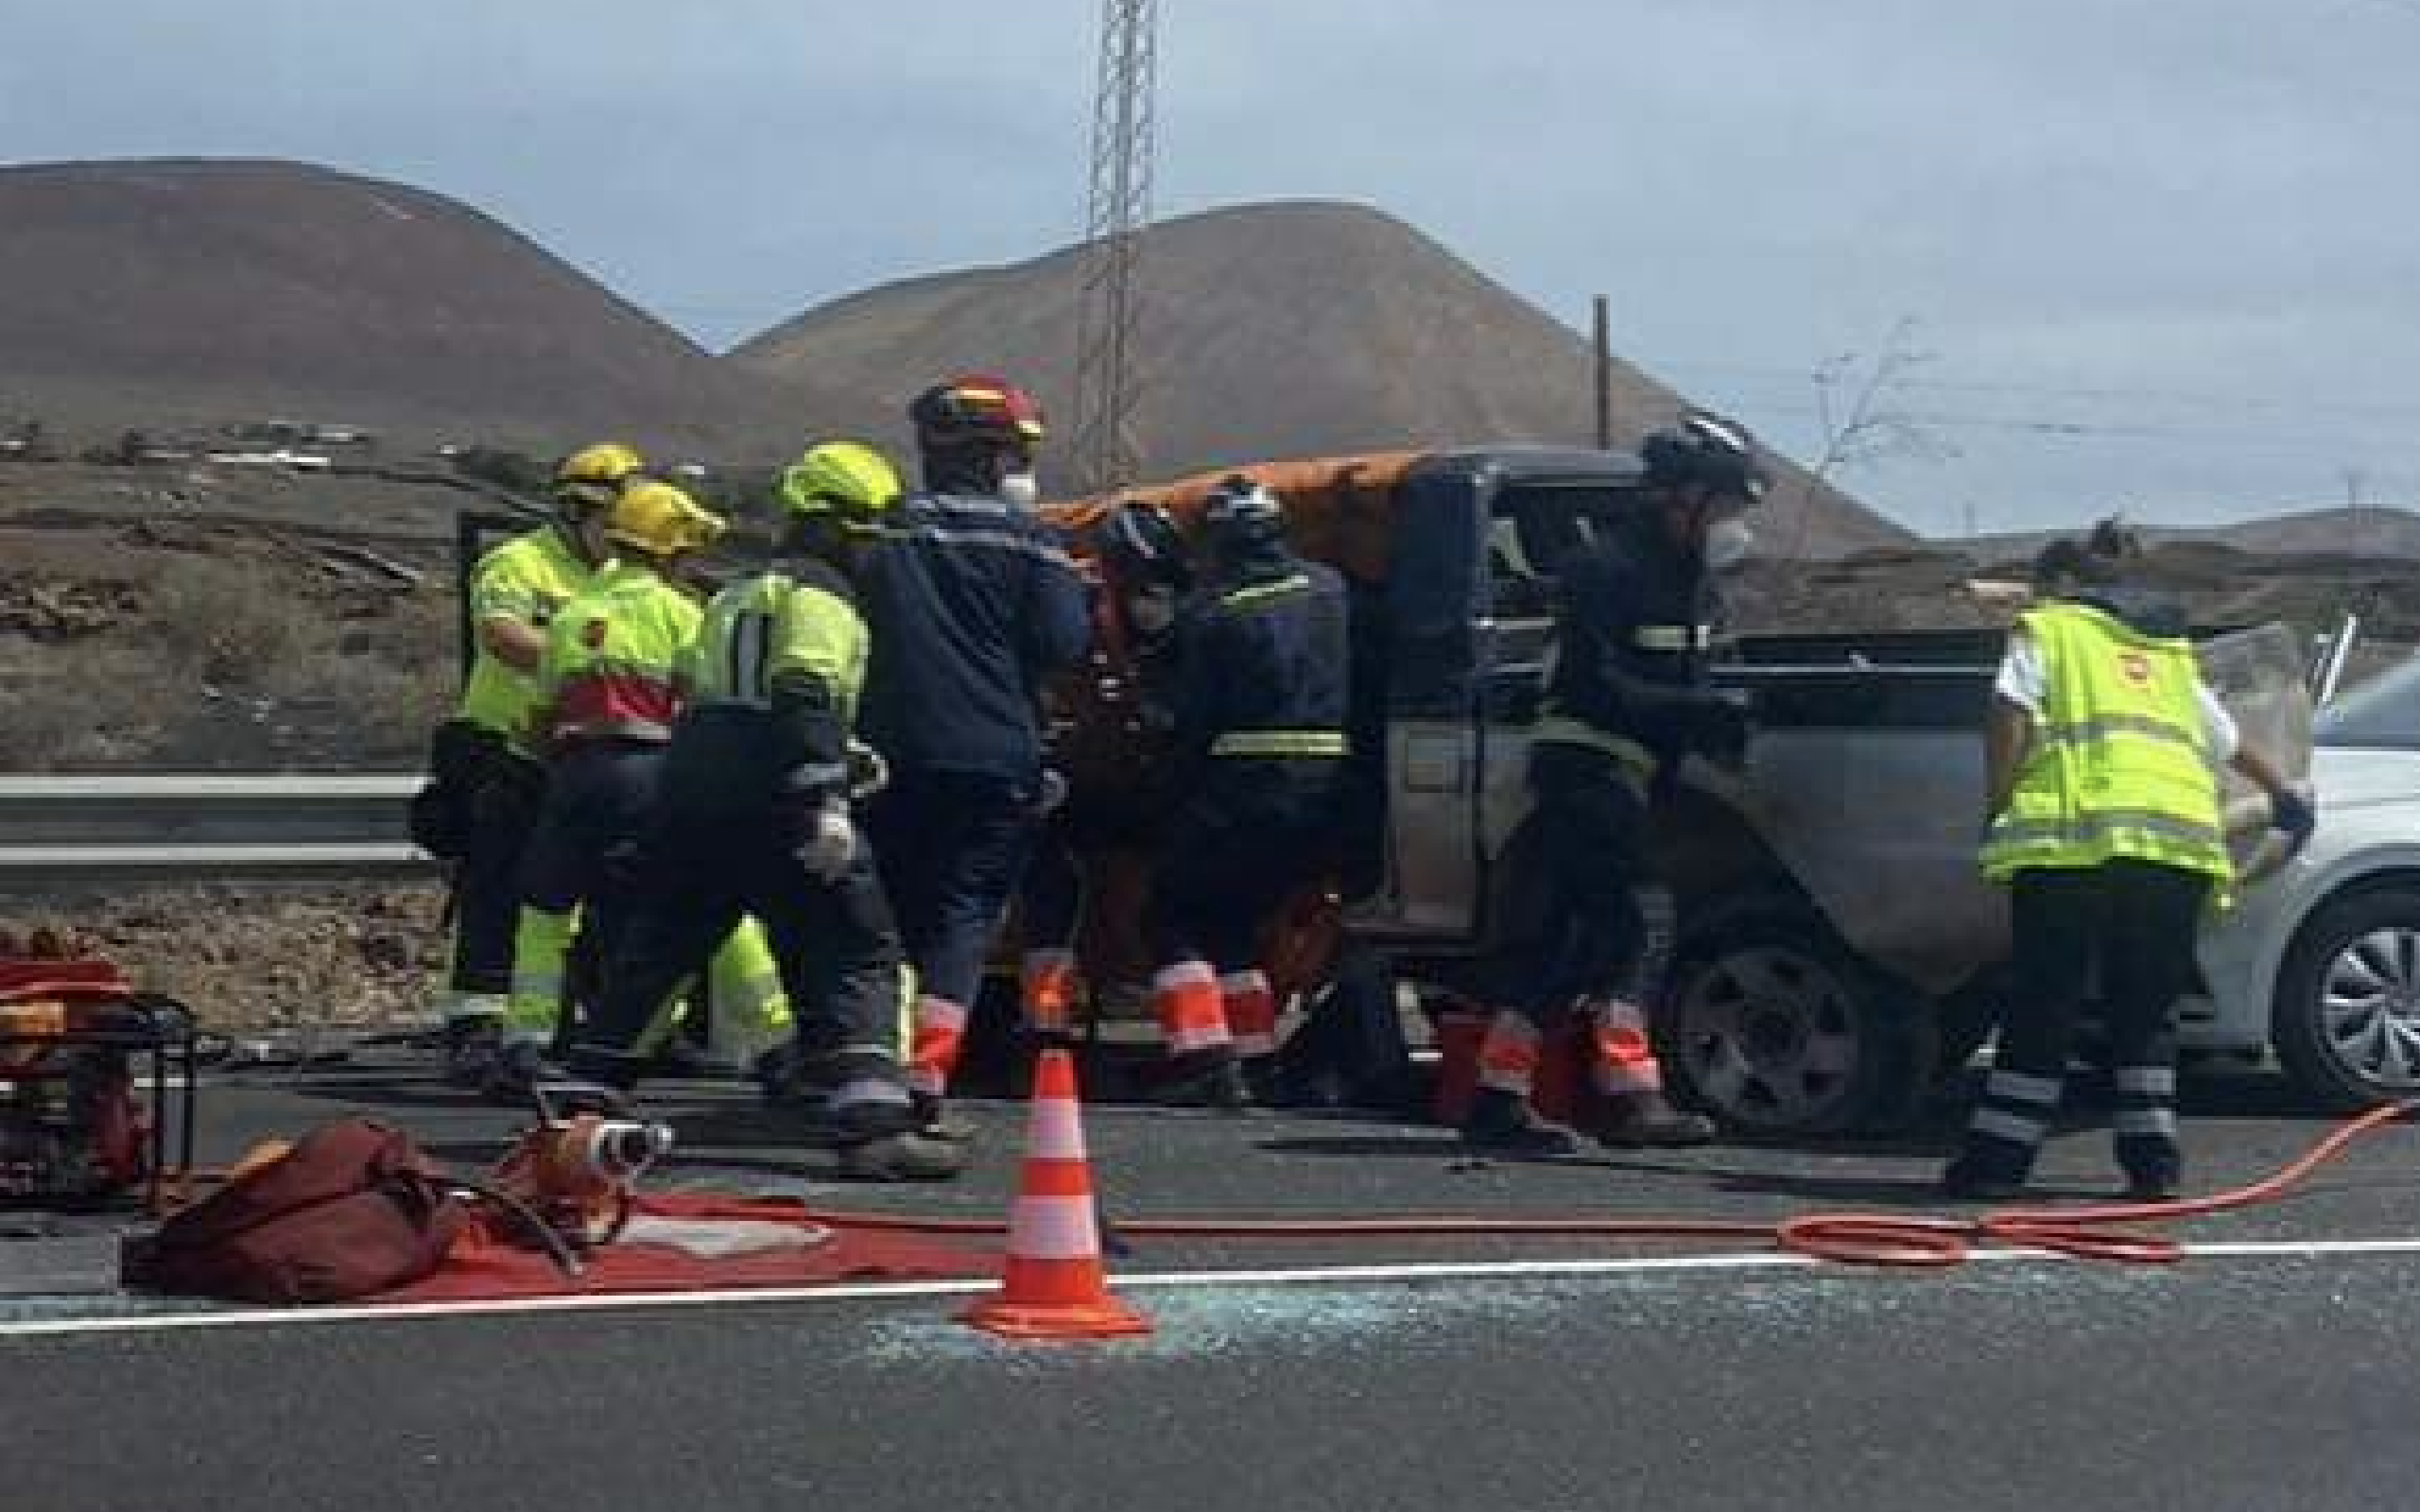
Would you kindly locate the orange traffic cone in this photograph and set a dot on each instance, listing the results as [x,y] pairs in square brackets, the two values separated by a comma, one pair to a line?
[1054,1287]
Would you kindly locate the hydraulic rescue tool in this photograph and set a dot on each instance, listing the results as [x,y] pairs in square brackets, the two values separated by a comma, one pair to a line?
[578,1167]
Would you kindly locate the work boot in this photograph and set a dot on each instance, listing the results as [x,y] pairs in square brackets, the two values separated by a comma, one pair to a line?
[1504,1124]
[469,1050]
[933,1120]
[1644,1121]
[910,1156]
[1204,1078]
[2154,1180]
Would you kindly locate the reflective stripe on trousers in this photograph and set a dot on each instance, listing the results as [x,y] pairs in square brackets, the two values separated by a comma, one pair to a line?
[541,955]
[1250,1009]
[1193,1020]
[1625,1064]
[2146,1106]
[1508,1057]
[2016,1108]
[941,1034]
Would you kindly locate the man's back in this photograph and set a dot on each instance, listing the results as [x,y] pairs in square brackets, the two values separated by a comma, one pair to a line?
[974,607]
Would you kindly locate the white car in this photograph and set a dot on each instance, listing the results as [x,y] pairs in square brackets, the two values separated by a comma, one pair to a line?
[2320,959]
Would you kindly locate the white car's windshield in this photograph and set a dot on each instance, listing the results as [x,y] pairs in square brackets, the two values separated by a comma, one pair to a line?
[2382,713]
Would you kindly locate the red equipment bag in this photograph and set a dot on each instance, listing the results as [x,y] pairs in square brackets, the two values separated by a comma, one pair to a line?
[353,1209]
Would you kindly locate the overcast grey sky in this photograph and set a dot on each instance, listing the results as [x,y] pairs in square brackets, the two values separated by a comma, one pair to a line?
[2158,253]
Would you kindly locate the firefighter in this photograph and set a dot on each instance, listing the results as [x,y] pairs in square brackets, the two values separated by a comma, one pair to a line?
[1115,741]
[1259,746]
[2103,822]
[514,592]
[1626,703]
[753,816]
[975,609]
[607,702]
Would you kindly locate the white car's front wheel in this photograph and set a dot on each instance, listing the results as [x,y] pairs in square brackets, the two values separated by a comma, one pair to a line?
[2346,1019]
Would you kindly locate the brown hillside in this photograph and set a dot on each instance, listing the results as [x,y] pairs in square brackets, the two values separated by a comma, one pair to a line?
[193,291]
[1272,330]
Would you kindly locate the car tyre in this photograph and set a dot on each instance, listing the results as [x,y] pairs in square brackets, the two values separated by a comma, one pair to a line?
[1775,1028]
[2345,1018]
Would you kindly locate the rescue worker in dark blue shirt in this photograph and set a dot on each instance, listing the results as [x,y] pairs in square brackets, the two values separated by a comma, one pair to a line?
[975,608]
[1263,660]
[1627,702]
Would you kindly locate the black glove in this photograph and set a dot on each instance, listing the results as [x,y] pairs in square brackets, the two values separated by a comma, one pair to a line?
[2291,814]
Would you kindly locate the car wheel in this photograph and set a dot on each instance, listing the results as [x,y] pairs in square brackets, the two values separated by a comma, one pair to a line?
[1773,1027]
[2346,1018]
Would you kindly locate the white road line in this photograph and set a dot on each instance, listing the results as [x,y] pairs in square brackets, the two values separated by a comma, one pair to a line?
[1147,1281]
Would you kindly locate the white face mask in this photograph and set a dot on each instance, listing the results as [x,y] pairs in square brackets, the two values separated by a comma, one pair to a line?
[1019,490]
[1727,543]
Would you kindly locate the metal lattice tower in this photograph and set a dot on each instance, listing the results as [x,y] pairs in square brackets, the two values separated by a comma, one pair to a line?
[1107,453]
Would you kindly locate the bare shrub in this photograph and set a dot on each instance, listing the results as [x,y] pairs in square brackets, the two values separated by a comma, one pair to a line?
[231,624]
[102,710]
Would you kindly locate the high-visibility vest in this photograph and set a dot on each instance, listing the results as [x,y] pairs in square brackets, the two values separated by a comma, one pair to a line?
[774,630]
[2120,764]
[528,578]
[612,654]
[763,629]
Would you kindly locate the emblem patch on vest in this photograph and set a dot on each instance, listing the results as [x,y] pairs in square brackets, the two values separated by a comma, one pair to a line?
[2136,667]
[592,634]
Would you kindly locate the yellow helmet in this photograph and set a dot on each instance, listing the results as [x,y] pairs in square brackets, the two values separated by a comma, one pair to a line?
[848,482]
[661,520]
[594,475]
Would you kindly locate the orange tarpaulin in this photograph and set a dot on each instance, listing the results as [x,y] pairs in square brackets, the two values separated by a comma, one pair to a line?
[1338,509]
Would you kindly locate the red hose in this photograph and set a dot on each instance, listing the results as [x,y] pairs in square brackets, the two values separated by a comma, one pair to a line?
[2084,1232]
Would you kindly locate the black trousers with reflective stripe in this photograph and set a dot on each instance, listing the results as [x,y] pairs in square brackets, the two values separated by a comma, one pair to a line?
[715,852]
[1586,917]
[1253,834]
[952,848]
[2135,923]
[600,795]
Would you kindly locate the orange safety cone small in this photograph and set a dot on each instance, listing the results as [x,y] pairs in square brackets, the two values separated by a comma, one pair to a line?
[1054,1287]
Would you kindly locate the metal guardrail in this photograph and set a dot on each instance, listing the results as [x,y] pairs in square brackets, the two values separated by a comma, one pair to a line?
[283,827]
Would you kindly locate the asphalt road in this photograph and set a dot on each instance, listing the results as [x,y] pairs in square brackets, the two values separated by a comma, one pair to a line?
[2277,1371]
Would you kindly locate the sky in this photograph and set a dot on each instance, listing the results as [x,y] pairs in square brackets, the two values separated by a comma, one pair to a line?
[2051,257]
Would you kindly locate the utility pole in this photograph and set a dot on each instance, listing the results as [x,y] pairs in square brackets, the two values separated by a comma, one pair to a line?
[1107,452]
[1602,345]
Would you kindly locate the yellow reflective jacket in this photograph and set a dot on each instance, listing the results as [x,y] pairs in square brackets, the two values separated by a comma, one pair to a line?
[789,644]
[528,578]
[2120,764]
[613,654]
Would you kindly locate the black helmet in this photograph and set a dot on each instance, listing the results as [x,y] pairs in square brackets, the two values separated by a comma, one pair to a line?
[1704,451]
[1240,514]
[1147,545]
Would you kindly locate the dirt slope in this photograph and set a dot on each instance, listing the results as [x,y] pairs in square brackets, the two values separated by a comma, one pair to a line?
[161,292]
[1272,330]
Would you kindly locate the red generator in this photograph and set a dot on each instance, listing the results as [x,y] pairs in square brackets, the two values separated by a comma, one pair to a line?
[88,1069]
